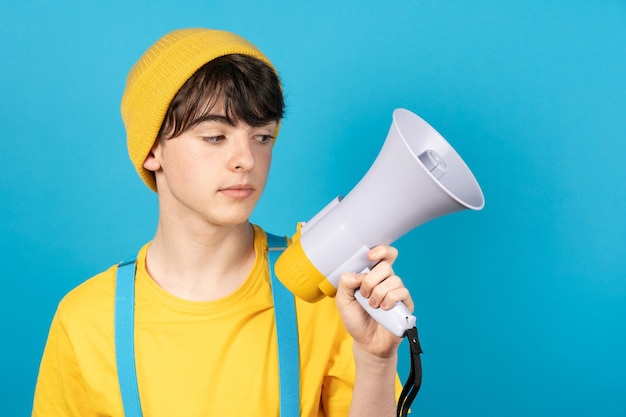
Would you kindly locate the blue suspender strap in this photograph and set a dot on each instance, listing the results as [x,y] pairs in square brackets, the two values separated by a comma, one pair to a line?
[287,334]
[286,330]
[125,337]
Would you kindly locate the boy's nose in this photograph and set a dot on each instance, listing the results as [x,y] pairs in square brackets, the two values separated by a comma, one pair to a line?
[242,158]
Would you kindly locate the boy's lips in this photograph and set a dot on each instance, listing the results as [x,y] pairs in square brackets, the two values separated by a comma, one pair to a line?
[237,191]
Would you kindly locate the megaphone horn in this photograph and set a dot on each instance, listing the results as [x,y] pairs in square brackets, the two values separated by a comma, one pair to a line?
[416,177]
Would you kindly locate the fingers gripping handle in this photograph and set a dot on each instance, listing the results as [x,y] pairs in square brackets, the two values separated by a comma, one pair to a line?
[397,319]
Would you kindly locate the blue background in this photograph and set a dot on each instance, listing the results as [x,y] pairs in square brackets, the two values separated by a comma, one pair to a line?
[521,307]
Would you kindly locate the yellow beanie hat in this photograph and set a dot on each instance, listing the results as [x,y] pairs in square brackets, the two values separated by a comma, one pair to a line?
[161,71]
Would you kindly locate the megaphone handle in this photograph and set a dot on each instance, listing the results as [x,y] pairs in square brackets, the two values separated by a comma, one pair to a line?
[397,319]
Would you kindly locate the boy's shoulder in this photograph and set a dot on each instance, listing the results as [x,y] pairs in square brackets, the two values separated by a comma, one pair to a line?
[95,296]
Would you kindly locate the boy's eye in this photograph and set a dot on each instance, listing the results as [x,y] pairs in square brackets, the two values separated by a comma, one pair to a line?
[263,138]
[213,139]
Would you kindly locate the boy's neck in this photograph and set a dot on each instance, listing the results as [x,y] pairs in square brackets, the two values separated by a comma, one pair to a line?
[201,265]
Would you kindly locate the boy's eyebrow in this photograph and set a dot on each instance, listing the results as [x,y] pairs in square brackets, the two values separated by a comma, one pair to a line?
[214,118]
[219,118]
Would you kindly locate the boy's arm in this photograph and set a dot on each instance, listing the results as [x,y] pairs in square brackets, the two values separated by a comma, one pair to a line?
[375,385]
[375,348]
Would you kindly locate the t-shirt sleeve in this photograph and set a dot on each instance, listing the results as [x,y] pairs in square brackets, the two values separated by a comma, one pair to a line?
[338,383]
[60,389]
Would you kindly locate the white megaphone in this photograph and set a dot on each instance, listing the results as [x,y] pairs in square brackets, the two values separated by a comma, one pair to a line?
[416,177]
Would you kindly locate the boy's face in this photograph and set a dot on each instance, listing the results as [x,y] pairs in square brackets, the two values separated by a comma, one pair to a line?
[213,172]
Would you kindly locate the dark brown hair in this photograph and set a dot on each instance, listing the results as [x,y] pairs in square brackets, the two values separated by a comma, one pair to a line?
[248,89]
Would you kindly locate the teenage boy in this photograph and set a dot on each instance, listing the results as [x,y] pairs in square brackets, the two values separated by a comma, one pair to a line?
[202,110]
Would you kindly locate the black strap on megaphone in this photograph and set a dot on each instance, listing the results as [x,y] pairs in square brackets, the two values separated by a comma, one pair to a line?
[414,380]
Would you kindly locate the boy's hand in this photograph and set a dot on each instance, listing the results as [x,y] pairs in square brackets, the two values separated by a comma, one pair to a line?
[384,289]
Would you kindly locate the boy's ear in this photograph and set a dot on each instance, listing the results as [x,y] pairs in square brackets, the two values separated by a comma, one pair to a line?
[152,163]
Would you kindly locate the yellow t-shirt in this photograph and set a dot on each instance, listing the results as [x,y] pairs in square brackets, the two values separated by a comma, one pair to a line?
[216,358]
